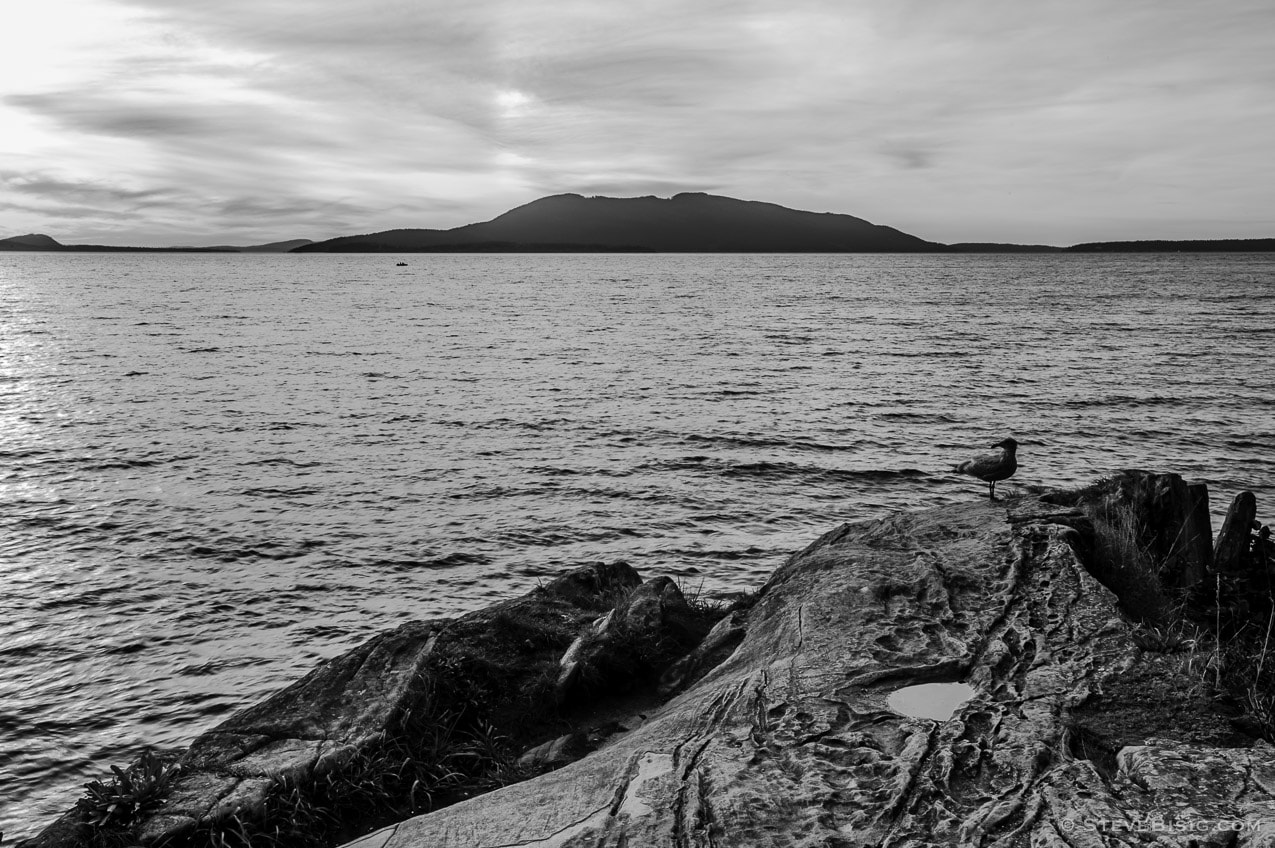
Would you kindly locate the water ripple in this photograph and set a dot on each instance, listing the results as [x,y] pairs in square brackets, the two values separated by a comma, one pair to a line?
[218,470]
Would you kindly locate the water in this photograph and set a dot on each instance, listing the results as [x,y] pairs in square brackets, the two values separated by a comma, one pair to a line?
[216,470]
[937,701]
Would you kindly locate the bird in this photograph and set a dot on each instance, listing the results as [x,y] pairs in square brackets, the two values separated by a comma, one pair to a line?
[991,467]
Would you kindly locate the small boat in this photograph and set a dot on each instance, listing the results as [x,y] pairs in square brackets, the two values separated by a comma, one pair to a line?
[401,264]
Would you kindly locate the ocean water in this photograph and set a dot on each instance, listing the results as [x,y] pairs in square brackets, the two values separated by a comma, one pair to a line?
[217,470]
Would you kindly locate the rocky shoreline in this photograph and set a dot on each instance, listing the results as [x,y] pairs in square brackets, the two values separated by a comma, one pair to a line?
[1121,692]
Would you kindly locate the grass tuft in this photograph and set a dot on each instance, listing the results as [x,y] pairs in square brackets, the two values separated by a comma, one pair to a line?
[128,795]
[1120,558]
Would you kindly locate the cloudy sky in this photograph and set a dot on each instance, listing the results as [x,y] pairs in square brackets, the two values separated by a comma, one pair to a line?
[158,122]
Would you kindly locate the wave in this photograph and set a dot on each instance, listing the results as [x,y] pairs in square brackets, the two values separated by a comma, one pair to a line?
[284,460]
[765,442]
[262,551]
[789,469]
[453,560]
[113,464]
[1133,400]
[280,491]
[918,417]
[769,469]
[723,554]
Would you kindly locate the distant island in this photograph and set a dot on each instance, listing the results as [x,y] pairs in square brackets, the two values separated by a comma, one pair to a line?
[40,242]
[685,223]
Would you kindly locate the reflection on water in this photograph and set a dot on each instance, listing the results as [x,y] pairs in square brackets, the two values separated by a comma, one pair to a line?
[938,701]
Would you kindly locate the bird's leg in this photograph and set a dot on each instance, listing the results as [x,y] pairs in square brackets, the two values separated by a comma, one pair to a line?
[991,490]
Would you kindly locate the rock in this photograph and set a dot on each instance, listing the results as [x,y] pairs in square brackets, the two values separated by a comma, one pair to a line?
[572,663]
[634,642]
[1205,791]
[1079,730]
[600,584]
[556,752]
[482,669]
[719,644]
[160,828]
[789,741]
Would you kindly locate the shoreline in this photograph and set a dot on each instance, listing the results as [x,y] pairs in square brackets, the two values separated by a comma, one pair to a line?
[667,707]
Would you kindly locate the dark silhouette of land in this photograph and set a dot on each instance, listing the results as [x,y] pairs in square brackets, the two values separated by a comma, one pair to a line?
[684,223]
[39,241]
[1187,246]
[33,241]
[272,247]
[998,247]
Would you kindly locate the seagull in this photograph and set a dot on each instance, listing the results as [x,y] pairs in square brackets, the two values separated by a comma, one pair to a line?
[991,467]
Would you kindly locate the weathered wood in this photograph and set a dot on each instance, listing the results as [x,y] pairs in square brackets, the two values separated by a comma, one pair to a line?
[1174,516]
[1232,554]
[1243,596]
[1197,556]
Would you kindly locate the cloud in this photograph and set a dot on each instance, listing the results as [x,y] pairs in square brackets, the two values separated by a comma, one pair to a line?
[53,188]
[963,120]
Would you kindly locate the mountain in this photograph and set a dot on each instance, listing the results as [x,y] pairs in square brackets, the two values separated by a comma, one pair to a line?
[999,247]
[275,246]
[684,223]
[32,241]
[272,247]
[37,241]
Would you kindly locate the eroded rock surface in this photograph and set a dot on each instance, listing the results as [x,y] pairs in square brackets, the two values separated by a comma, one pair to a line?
[636,640]
[489,661]
[789,741]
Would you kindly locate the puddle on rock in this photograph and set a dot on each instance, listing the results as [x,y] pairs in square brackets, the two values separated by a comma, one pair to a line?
[938,701]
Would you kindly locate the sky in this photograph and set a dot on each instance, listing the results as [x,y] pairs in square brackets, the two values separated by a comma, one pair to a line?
[163,122]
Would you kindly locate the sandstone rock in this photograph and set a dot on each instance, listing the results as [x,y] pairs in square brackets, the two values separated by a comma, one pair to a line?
[158,828]
[348,698]
[1215,795]
[349,706]
[596,585]
[637,640]
[556,752]
[783,733]
[789,741]
[572,663]
[719,644]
